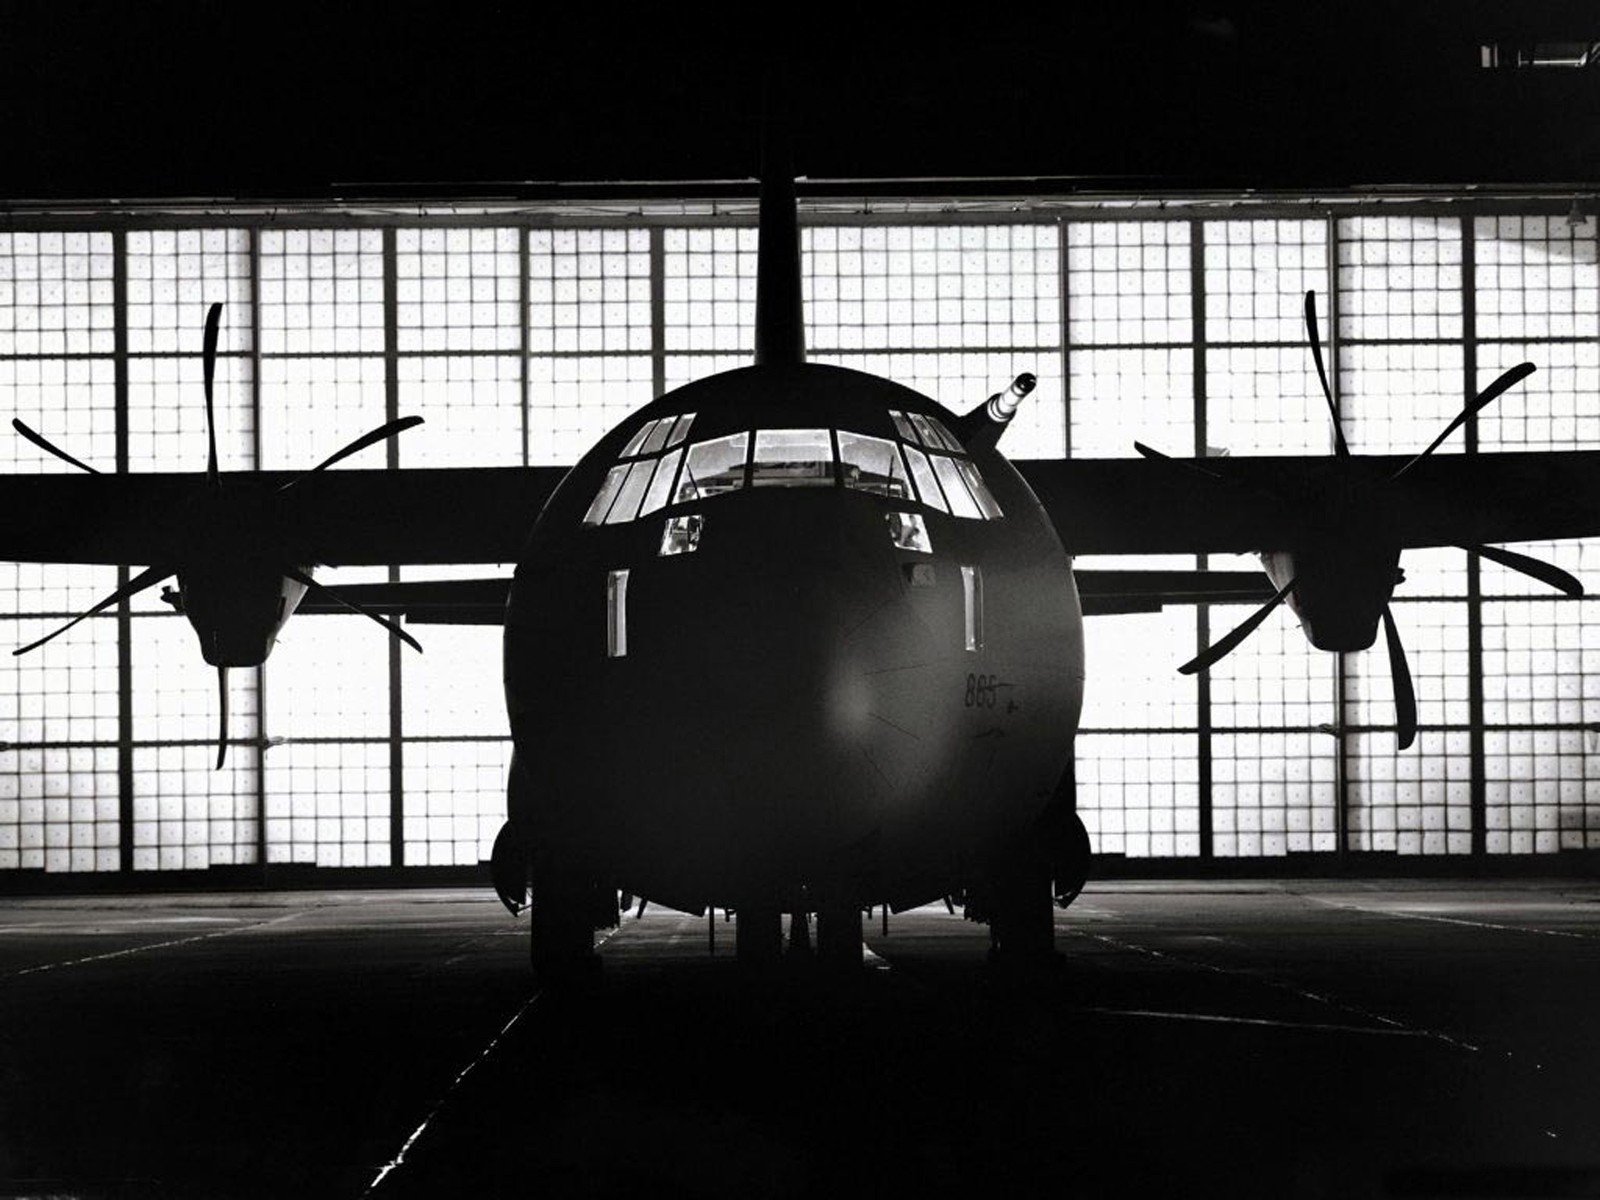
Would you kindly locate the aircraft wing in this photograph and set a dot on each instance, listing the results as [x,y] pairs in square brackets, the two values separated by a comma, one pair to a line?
[1237,505]
[445,515]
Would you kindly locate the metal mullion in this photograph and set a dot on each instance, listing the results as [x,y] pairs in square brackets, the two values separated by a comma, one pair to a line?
[1202,612]
[1064,276]
[1341,674]
[1478,797]
[119,317]
[524,348]
[391,404]
[658,311]
[261,670]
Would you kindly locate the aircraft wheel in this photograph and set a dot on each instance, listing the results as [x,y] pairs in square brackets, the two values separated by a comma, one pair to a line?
[839,936]
[562,941]
[1022,918]
[758,935]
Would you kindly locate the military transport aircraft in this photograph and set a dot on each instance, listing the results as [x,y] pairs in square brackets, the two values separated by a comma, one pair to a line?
[794,638]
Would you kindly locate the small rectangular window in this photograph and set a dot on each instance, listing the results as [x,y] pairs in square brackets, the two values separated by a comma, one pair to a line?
[904,426]
[908,532]
[927,485]
[713,467]
[681,535]
[661,483]
[607,493]
[657,436]
[637,439]
[961,502]
[680,429]
[871,464]
[972,605]
[792,458]
[627,505]
[934,435]
[617,614]
[979,489]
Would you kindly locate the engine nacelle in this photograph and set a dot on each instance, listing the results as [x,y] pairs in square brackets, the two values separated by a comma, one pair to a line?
[238,607]
[1340,590]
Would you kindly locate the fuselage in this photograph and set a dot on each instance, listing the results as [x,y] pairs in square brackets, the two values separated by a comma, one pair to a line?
[779,630]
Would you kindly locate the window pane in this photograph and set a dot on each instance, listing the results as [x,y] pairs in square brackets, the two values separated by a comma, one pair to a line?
[872,464]
[793,458]
[714,467]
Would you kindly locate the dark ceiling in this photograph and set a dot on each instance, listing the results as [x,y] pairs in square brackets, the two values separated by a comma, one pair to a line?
[134,100]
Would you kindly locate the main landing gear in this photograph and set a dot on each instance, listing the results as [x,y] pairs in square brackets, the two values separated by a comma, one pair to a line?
[567,908]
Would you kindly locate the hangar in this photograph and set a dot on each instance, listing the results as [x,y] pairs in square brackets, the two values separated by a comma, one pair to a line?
[1141,242]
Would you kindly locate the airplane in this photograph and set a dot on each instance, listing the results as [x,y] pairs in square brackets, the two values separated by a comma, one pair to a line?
[796,639]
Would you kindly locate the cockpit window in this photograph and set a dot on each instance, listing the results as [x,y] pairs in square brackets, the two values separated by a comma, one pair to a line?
[627,505]
[609,488]
[927,464]
[871,464]
[661,483]
[680,429]
[961,502]
[713,467]
[928,488]
[792,458]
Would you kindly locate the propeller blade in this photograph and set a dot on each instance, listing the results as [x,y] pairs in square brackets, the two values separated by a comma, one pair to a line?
[213,319]
[1483,399]
[1405,697]
[1542,571]
[392,626]
[372,438]
[222,729]
[147,578]
[46,445]
[1217,650]
[1340,448]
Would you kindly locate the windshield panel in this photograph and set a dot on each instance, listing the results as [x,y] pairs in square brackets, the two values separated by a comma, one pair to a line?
[680,429]
[961,502]
[979,489]
[871,464]
[609,488]
[637,439]
[627,505]
[713,467]
[904,426]
[661,483]
[657,436]
[927,485]
[793,458]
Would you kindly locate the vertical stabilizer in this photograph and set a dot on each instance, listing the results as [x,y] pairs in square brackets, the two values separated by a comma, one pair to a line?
[780,320]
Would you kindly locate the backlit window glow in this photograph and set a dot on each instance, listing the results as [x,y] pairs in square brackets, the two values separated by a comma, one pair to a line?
[961,502]
[714,467]
[661,483]
[909,532]
[927,484]
[873,465]
[627,505]
[792,458]
[979,490]
[609,488]
[681,535]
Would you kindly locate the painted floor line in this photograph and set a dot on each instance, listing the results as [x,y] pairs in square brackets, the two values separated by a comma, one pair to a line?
[1279,985]
[399,1159]
[1220,1019]
[1400,914]
[131,950]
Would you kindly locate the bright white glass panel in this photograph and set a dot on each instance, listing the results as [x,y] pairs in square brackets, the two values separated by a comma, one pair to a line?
[328,804]
[930,287]
[329,677]
[310,407]
[1257,275]
[167,415]
[472,408]
[455,688]
[1536,276]
[1399,277]
[1273,794]
[175,691]
[56,293]
[588,290]
[1128,282]
[321,291]
[455,800]
[1139,793]
[1123,396]
[457,289]
[70,401]
[574,401]
[1542,791]
[58,809]
[709,290]
[64,691]
[189,816]
[174,276]
[1132,665]
[1416,801]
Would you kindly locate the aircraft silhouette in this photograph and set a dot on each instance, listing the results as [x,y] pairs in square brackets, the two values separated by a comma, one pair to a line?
[795,638]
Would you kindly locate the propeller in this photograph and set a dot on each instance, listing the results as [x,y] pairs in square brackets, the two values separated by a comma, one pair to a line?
[198,554]
[1404,692]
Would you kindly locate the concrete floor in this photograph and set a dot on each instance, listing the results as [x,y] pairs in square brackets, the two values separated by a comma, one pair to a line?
[1332,1039]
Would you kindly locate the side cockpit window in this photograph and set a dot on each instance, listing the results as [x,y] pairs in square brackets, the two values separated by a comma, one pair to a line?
[946,478]
[641,482]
